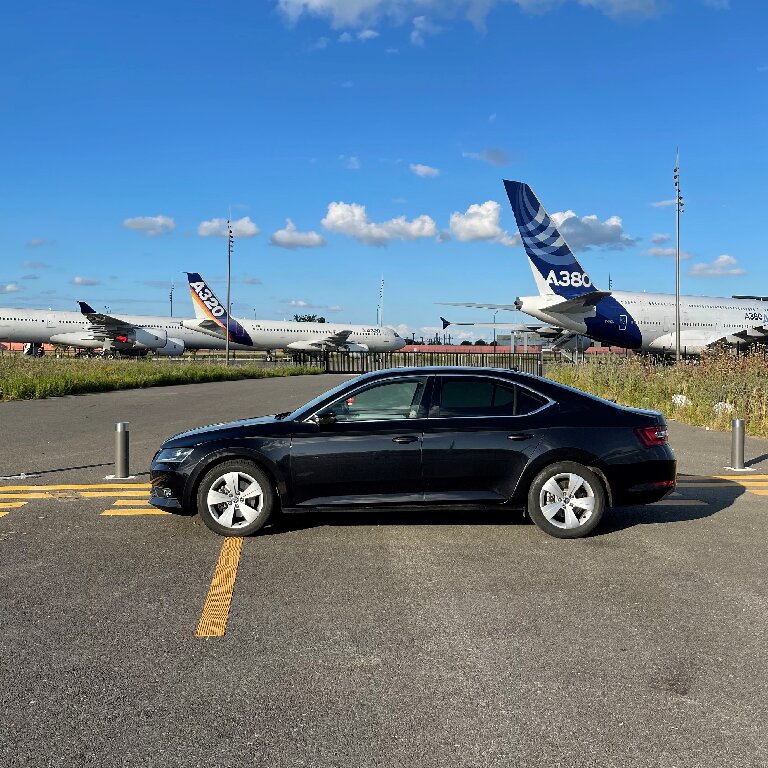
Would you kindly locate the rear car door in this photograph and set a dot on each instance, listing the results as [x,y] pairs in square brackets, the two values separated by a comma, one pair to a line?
[481,433]
[369,452]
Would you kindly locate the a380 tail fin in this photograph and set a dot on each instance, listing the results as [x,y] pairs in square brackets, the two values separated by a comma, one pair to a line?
[555,268]
[208,308]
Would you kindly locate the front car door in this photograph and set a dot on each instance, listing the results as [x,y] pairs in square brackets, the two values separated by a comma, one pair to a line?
[481,433]
[367,451]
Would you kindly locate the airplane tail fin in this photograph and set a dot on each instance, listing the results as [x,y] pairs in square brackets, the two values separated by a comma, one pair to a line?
[555,268]
[208,308]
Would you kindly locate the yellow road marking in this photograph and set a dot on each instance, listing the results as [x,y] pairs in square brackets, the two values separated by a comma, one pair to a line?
[26,496]
[72,487]
[213,620]
[681,503]
[112,512]
[741,478]
[100,494]
[11,505]
[759,492]
[127,503]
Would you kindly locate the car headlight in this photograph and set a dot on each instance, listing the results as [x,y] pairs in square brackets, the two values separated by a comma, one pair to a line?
[173,455]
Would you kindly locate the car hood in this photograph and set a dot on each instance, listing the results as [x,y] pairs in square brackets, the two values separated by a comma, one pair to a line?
[217,431]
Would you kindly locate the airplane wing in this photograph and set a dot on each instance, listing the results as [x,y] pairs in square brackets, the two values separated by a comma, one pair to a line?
[510,307]
[747,334]
[542,330]
[104,326]
[579,302]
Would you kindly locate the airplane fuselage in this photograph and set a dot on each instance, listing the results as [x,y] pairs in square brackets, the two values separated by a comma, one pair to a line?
[646,321]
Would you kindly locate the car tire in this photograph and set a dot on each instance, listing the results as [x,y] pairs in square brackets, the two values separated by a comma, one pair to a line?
[235,498]
[566,500]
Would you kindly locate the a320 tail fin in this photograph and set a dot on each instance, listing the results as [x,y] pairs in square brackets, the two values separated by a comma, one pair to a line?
[209,308]
[554,266]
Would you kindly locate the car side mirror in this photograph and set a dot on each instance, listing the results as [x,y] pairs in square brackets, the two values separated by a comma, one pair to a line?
[324,418]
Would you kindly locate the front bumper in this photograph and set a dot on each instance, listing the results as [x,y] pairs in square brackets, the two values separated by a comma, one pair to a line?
[167,488]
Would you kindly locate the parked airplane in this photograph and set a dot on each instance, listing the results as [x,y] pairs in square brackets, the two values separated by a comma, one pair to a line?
[213,319]
[88,329]
[643,321]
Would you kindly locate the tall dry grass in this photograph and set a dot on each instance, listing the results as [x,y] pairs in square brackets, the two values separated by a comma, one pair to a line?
[718,377]
[23,378]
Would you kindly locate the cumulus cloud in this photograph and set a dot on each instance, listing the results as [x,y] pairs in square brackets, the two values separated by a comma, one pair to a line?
[722,266]
[662,204]
[665,252]
[84,281]
[218,228]
[424,170]
[350,162]
[351,219]
[151,226]
[660,237]
[493,155]
[9,287]
[481,221]
[588,232]
[367,34]
[361,13]
[422,27]
[290,238]
[345,37]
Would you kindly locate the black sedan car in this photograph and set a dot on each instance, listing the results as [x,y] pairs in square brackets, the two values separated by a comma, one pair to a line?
[469,436]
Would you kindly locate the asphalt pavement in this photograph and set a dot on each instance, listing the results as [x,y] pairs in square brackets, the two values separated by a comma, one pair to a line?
[410,638]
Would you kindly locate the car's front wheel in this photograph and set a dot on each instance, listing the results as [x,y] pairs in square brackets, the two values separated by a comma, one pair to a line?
[235,498]
[566,500]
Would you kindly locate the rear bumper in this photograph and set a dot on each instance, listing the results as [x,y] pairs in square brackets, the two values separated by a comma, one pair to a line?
[642,483]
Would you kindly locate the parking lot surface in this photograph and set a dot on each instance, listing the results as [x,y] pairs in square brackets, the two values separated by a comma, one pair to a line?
[417,637]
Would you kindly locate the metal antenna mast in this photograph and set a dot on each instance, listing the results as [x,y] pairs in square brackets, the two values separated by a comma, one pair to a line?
[230,246]
[679,208]
[380,308]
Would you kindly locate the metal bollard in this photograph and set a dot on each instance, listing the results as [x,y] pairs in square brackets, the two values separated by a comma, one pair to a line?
[737,444]
[121,450]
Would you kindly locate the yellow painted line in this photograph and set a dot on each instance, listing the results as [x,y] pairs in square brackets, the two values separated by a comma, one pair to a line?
[704,485]
[26,496]
[759,492]
[681,503]
[101,494]
[127,503]
[3,514]
[123,511]
[11,505]
[72,487]
[213,620]
[740,478]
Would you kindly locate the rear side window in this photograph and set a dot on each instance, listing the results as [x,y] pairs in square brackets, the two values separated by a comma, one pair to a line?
[484,397]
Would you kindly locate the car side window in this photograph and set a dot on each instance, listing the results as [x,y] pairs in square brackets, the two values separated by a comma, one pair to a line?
[484,397]
[382,402]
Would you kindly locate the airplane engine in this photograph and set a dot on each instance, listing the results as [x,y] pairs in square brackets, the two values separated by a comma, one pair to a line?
[146,339]
[172,348]
[354,347]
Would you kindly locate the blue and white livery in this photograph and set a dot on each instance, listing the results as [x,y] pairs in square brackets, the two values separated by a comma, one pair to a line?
[643,321]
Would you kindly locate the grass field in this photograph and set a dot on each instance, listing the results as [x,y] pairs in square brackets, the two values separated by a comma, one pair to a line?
[23,378]
[714,390]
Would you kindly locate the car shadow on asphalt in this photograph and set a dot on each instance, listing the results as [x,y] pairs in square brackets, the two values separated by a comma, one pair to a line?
[688,504]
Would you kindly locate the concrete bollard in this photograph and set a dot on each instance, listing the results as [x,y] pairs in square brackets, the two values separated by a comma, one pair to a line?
[121,450]
[737,444]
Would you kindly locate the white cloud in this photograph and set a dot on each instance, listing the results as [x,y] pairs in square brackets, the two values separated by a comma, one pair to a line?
[422,27]
[424,170]
[718,5]
[321,43]
[662,204]
[218,228]
[152,226]
[660,237]
[350,219]
[9,287]
[38,242]
[345,37]
[587,232]
[479,222]
[290,238]
[493,155]
[666,252]
[367,34]
[250,281]
[722,266]
[29,264]
[84,281]
[351,162]
[392,50]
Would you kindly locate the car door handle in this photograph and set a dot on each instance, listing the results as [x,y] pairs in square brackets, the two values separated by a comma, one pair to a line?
[519,436]
[405,439]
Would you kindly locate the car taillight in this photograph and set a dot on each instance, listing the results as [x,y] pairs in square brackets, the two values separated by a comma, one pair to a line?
[651,436]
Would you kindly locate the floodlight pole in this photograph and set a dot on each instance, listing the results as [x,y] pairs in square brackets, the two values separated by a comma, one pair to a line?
[170,296]
[230,245]
[679,207]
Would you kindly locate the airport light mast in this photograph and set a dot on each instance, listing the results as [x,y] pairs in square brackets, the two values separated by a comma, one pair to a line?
[679,208]
[170,297]
[230,246]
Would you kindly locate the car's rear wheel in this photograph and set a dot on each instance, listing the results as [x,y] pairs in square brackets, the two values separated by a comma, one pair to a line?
[566,500]
[235,498]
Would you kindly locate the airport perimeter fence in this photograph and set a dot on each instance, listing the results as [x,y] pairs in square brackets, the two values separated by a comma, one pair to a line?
[343,362]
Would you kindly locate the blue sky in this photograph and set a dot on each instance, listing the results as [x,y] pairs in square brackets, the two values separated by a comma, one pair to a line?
[382,130]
